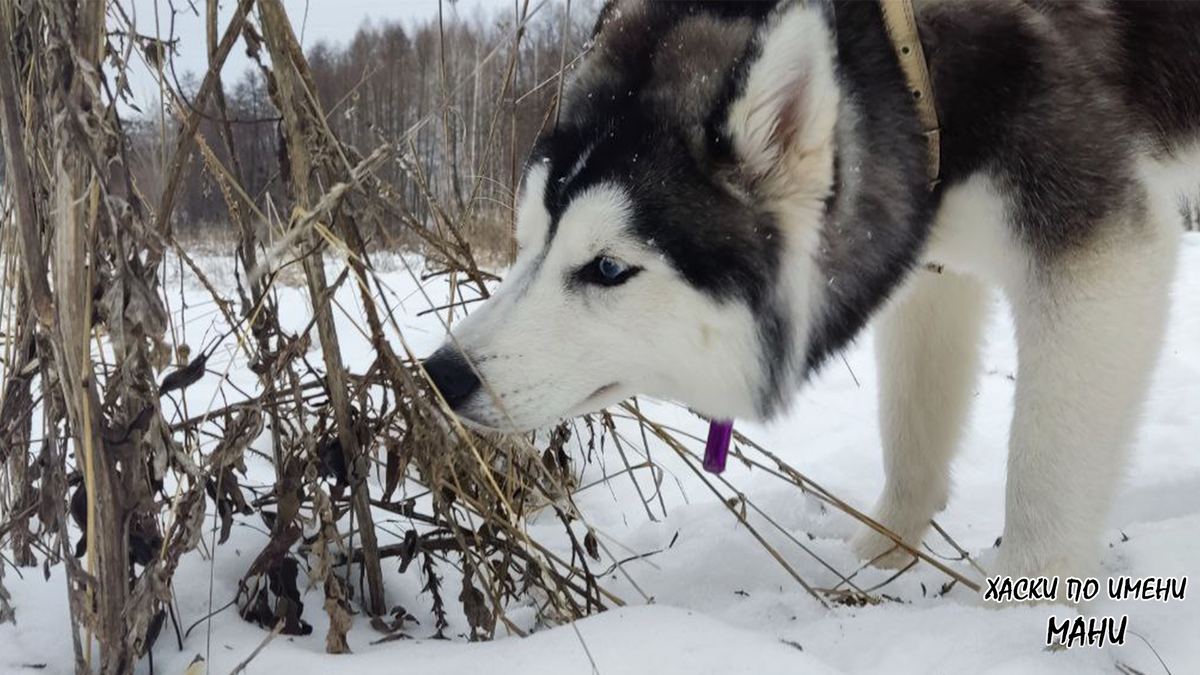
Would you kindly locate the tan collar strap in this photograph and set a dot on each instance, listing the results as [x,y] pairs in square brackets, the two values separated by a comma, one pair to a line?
[901,26]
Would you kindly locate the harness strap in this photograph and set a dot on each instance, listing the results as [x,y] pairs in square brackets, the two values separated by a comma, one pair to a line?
[901,24]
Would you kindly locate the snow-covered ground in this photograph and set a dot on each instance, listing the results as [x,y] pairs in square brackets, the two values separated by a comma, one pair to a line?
[711,599]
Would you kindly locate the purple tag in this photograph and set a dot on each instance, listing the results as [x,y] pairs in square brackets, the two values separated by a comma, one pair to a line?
[716,450]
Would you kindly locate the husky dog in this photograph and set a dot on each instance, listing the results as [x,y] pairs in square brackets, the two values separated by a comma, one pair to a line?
[734,189]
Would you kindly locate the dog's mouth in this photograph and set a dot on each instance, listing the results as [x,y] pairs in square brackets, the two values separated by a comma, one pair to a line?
[597,395]
[498,421]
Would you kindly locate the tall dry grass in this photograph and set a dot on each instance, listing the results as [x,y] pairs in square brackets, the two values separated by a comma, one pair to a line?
[90,448]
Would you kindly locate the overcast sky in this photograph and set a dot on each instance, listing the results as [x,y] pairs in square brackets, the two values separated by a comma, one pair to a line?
[332,20]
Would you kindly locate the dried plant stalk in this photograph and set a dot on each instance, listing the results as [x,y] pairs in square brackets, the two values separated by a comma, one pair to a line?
[137,482]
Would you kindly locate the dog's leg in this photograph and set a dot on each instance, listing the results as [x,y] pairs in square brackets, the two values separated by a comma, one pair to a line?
[1089,327]
[927,347]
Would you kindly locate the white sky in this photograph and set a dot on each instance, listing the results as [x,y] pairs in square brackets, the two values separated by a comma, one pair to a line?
[334,21]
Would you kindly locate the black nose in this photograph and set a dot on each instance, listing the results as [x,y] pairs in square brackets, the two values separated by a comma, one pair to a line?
[452,375]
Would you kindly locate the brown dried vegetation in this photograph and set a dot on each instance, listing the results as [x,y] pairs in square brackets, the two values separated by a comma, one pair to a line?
[92,447]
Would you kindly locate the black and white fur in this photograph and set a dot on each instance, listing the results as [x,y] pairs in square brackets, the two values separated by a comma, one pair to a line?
[735,188]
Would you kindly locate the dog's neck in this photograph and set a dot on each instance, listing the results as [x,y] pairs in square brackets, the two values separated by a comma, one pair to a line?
[878,216]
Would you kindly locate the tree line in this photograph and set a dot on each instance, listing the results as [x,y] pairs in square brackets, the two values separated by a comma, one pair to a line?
[461,107]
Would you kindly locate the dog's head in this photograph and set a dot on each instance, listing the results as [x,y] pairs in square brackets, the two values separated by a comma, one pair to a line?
[667,226]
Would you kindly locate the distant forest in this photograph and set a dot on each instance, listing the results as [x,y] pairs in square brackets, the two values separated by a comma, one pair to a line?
[435,89]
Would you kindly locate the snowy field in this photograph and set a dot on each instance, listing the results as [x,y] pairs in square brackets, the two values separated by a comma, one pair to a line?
[710,599]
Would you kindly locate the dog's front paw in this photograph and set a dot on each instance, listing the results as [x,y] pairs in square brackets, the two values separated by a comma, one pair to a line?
[879,550]
[907,520]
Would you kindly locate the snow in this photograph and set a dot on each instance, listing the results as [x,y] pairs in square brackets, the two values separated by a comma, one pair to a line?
[714,600]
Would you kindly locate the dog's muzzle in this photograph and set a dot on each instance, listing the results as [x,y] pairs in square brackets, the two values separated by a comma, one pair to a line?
[452,375]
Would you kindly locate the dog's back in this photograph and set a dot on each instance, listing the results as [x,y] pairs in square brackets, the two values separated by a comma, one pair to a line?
[1149,52]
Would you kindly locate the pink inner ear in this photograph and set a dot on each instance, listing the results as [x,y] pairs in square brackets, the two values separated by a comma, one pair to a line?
[790,112]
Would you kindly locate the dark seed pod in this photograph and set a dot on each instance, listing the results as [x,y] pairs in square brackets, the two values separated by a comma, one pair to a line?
[332,460]
[591,546]
[184,377]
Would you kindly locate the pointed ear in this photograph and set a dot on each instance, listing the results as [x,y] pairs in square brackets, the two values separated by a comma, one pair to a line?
[782,124]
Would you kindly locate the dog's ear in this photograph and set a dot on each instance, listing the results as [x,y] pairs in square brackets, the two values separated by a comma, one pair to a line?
[782,123]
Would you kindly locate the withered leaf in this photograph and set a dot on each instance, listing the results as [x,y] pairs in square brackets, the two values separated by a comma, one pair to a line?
[381,625]
[393,627]
[145,542]
[474,603]
[591,545]
[392,472]
[339,617]
[289,507]
[281,542]
[245,428]
[409,550]
[142,421]
[339,625]
[226,513]
[78,509]
[153,630]
[184,377]
[227,494]
[332,460]
[288,611]
[391,638]
[564,463]
[258,609]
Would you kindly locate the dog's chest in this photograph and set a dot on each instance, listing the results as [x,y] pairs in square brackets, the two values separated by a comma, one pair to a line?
[970,233]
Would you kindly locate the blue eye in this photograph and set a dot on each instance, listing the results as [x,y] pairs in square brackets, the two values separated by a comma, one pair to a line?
[605,270]
[610,268]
